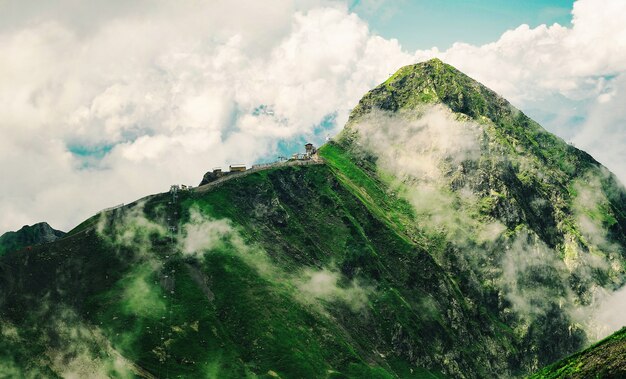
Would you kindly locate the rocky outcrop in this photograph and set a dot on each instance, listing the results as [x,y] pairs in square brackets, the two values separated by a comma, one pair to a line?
[35,234]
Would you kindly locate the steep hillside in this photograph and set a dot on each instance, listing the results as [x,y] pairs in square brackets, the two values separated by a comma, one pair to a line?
[533,227]
[605,359]
[445,234]
[35,234]
[283,271]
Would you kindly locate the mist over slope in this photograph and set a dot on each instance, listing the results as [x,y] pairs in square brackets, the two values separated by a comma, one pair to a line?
[445,234]
[536,226]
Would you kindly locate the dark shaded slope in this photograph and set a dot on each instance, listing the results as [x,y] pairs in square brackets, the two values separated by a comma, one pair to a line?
[35,234]
[40,284]
[238,308]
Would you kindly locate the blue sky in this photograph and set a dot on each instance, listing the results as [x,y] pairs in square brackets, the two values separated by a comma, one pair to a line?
[422,24]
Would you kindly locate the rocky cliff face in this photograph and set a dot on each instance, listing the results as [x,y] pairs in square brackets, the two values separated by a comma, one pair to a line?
[446,235]
[35,234]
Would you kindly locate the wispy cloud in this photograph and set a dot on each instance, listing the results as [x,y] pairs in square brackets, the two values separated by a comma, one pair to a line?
[204,235]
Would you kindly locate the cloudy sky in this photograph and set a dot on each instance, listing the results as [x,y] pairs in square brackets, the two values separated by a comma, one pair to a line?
[105,102]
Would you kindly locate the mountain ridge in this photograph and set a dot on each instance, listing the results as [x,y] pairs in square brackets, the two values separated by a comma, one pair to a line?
[432,242]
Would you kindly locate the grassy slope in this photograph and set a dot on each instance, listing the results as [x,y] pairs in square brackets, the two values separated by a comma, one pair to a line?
[605,359]
[334,216]
[250,325]
[319,223]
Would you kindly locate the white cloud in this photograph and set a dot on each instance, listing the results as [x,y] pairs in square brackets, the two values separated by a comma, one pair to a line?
[168,91]
[203,235]
[166,94]
[604,131]
[416,147]
[526,63]
[419,151]
[609,315]
[324,285]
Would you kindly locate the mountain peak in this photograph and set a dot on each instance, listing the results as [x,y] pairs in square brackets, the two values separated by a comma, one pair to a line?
[38,225]
[460,242]
[433,82]
[433,62]
[35,234]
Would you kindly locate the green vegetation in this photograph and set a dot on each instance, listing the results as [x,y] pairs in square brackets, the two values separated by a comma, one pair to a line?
[361,180]
[348,269]
[522,180]
[287,205]
[229,317]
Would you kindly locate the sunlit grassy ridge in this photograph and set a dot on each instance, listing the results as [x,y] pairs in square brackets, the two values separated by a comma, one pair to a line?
[312,202]
[605,359]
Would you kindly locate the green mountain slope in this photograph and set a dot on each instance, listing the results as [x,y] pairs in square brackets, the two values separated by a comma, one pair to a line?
[533,224]
[445,234]
[27,236]
[281,292]
[605,359]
